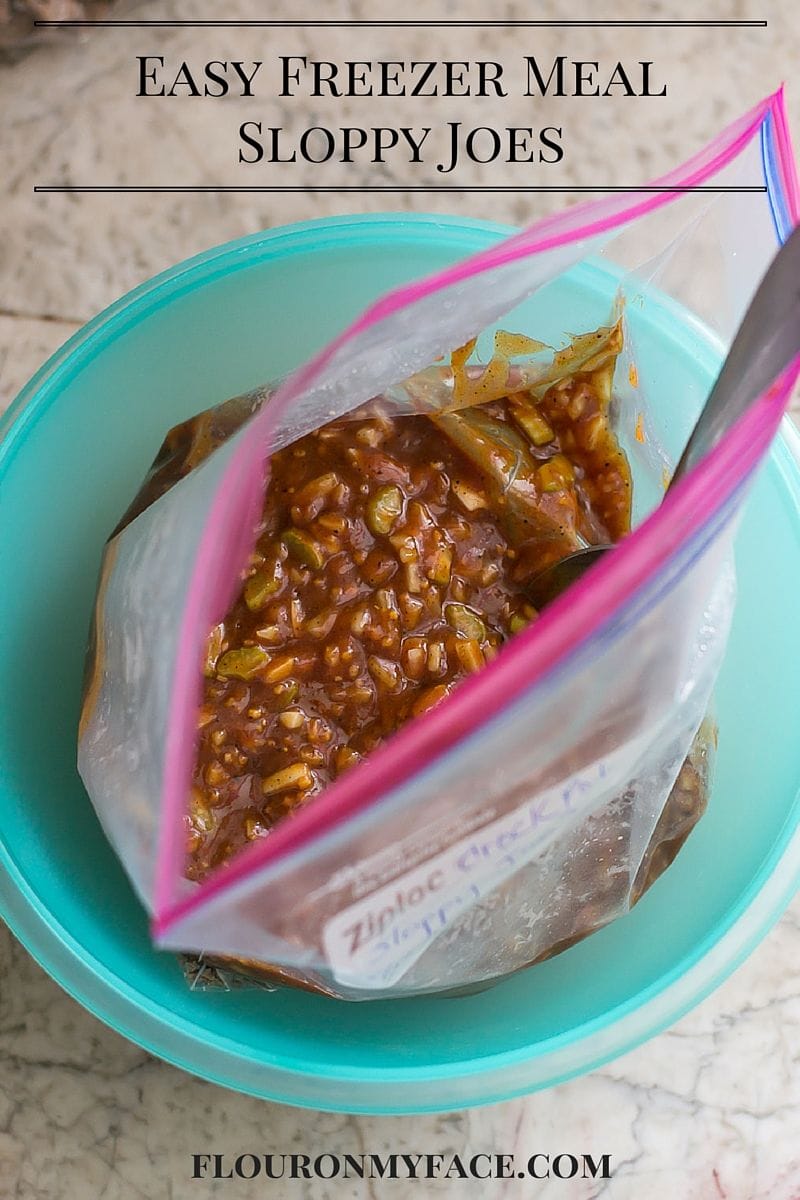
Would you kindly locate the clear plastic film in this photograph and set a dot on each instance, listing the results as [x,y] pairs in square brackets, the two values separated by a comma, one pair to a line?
[538,801]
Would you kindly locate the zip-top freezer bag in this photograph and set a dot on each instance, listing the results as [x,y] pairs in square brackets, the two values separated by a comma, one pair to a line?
[537,799]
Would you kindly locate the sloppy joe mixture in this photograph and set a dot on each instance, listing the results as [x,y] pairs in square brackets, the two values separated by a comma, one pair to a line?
[391,563]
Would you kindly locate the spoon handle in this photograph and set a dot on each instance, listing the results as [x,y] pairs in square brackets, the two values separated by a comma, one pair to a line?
[766,342]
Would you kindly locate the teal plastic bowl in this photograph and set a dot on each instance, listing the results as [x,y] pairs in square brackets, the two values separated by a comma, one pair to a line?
[79,439]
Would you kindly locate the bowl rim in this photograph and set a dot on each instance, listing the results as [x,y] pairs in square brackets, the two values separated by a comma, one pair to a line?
[469,1082]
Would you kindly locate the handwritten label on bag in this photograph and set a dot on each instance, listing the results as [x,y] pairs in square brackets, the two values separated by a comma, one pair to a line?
[373,942]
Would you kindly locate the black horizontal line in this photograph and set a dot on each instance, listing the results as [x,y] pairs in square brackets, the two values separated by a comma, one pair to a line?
[619,24]
[713,190]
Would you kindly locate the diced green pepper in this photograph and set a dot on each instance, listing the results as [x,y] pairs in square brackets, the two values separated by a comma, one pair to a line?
[303,548]
[383,509]
[464,621]
[263,584]
[243,663]
[287,692]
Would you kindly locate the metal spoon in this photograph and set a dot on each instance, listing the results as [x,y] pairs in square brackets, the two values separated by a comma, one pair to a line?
[766,342]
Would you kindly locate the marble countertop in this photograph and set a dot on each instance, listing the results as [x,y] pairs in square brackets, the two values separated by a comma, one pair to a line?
[709,1110]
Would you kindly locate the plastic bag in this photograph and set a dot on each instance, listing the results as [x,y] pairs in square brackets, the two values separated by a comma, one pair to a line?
[537,802]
